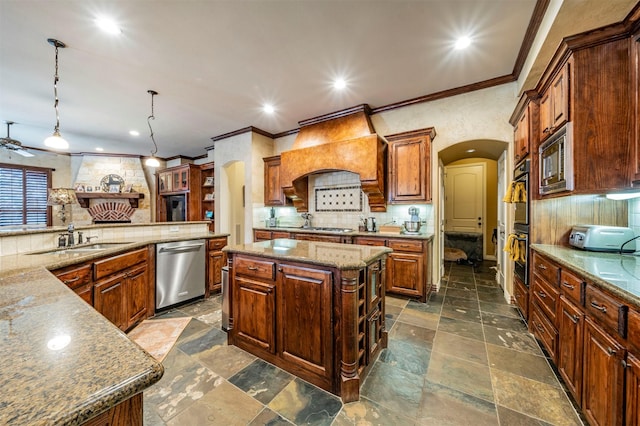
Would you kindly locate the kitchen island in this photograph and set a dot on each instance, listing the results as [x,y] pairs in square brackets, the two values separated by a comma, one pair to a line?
[315,309]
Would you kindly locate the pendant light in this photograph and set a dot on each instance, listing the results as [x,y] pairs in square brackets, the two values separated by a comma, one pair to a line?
[152,161]
[55,140]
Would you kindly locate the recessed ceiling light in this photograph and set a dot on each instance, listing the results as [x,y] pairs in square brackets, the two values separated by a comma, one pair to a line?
[470,150]
[339,84]
[99,149]
[268,108]
[463,42]
[108,25]
[134,133]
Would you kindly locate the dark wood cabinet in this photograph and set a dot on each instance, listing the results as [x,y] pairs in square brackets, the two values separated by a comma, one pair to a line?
[137,285]
[319,237]
[216,259]
[305,336]
[264,235]
[570,331]
[109,299]
[525,125]
[632,390]
[603,377]
[207,190]
[185,179]
[635,78]
[554,103]
[521,296]
[255,319]
[409,166]
[273,193]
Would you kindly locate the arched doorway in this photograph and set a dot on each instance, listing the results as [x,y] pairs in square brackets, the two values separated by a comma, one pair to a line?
[230,205]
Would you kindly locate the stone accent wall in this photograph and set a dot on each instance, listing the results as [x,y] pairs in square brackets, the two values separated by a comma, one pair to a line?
[91,171]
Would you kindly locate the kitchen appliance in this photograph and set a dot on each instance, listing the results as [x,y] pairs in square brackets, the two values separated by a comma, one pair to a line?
[180,272]
[603,238]
[272,221]
[371,224]
[412,226]
[556,162]
[176,207]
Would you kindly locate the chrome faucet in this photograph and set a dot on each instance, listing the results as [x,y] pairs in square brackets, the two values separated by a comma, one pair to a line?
[90,237]
[70,240]
[307,220]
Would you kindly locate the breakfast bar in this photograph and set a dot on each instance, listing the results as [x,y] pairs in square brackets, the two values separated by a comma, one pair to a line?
[314,309]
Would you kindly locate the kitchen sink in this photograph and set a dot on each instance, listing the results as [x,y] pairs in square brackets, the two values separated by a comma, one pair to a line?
[82,248]
[329,229]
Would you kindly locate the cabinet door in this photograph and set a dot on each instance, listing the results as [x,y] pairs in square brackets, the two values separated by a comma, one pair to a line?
[545,115]
[273,194]
[215,263]
[319,237]
[521,295]
[165,182]
[560,99]
[305,335]
[570,331]
[405,274]
[108,297]
[635,74]
[521,137]
[86,293]
[603,378]
[409,170]
[137,286]
[254,309]
[632,393]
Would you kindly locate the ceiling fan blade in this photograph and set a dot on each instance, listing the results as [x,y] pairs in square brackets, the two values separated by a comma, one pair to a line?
[23,153]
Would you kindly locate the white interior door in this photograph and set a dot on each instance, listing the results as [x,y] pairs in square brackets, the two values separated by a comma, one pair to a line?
[501,256]
[464,198]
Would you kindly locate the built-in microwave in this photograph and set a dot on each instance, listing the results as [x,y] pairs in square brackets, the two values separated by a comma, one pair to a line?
[556,162]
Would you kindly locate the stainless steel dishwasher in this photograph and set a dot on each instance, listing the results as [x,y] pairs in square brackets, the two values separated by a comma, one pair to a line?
[180,272]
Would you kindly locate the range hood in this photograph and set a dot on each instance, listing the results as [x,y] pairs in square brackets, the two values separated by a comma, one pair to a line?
[340,141]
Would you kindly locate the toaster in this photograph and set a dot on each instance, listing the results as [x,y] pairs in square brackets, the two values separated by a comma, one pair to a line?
[602,238]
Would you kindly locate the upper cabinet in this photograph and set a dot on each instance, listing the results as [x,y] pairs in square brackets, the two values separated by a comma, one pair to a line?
[554,104]
[273,194]
[409,166]
[196,182]
[174,179]
[524,120]
[208,194]
[635,78]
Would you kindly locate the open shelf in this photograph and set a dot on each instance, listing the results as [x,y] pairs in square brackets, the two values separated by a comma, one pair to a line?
[133,197]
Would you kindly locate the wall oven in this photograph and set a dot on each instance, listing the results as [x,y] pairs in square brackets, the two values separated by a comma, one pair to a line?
[521,204]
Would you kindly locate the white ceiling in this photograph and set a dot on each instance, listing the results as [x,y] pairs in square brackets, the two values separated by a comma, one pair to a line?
[214,63]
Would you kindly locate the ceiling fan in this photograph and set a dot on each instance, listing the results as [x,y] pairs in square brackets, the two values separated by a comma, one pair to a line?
[12,144]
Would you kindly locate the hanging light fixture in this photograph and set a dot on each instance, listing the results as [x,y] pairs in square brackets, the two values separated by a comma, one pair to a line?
[152,161]
[55,140]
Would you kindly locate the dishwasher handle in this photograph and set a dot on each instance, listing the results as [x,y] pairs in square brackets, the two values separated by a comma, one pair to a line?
[180,248]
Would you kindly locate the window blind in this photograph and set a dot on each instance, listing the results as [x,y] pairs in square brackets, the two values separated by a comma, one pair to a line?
[23,195]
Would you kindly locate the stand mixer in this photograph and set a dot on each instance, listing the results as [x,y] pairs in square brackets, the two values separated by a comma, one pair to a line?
[412,226]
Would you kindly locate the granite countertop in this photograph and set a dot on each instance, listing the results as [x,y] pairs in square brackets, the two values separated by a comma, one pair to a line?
[419,236]
[43,384]
[54,259]
[619,274]
[342,256]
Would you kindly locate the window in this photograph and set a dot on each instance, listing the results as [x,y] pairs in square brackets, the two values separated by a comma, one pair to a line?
[23,195]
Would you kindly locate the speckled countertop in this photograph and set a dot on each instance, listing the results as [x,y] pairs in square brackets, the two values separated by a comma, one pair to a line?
[619,274]
[99,368]
[419,236]
[342,256]
[41,384]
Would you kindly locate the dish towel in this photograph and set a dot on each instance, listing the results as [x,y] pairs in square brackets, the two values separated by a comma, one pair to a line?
[515,246]
[516,193]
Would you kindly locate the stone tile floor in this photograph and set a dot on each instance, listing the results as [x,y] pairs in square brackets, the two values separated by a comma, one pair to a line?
[462,358]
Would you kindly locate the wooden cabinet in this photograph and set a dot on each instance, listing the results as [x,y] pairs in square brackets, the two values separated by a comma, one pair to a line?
[123,287]
[273,193]
[521,296]
[554,103]
[305,336]
[603,377]
[185,180]
[216,259]
[78,278]
[571,332]
[635,90]
[632,390]
[264,235]
[409,166]
[544,299]
[524,121]
[208,204]
[319,237]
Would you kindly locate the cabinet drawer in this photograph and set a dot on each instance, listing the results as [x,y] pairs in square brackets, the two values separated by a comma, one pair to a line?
[217,244]
[406,245]
[572,287]
[606,310]
[280,234]
[75,277]
[633,329]
[545,332]
[261,235]
[521,294]
[546,297]
[103,268]
[369,241]
[545,268]
[255,268]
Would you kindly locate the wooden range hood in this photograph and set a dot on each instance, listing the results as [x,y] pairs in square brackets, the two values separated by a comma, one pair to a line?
[340,141]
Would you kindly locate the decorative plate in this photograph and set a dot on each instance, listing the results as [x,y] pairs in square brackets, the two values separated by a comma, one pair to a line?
[111,182]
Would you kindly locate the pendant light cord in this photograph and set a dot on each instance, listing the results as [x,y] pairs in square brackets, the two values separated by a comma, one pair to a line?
[152,117]
[55,93]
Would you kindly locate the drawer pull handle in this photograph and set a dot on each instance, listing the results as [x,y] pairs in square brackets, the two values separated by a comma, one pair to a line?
[575,318]
[252,268]
[569,286]
[611,351]
[544,268]
[602,309]
[540,328]
[542,294]
[72,280]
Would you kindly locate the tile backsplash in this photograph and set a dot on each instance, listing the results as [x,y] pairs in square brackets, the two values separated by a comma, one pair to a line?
[324,214]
